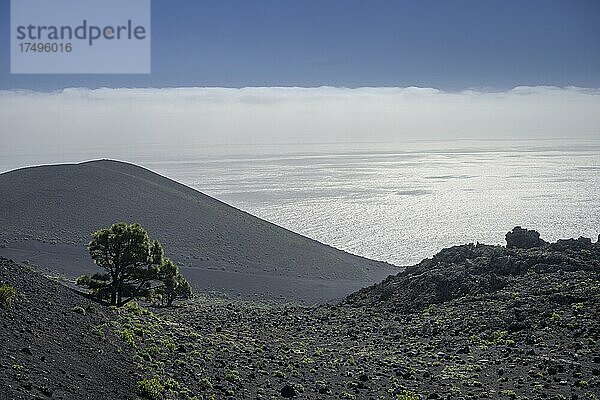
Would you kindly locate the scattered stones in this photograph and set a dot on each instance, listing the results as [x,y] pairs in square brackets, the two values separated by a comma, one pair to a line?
[46,391]
[323,389]
[464,350]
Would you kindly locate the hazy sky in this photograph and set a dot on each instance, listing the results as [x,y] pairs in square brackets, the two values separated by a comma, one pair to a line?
[497,69]
[449,45]
[191,116]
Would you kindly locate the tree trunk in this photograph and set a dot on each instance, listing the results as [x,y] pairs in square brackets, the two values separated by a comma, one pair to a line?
[113,289]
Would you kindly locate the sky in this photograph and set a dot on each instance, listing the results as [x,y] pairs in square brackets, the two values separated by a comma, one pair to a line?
[291,71]
[447,45]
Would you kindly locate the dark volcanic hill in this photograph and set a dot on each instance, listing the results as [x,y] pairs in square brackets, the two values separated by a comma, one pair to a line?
[58,206]
[50,350]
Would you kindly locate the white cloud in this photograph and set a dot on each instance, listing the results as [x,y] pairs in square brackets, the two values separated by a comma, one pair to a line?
[75,118]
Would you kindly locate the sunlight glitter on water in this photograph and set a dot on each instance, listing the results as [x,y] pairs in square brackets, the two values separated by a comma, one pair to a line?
[393,202]
[403,206]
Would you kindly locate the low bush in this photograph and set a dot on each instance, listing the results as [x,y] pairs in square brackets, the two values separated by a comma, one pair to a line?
[150,389]
[78,310]
[407,395]
[7,294]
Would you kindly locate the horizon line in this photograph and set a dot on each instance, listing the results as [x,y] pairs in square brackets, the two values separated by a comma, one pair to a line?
[482,90]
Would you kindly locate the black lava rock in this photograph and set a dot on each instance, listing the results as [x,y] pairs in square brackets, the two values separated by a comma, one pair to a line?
[523,238]
[288,391]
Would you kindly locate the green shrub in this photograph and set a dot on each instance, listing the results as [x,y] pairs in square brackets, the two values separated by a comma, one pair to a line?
[407,395]
[78,310]
[82,280]
[153,350]
[150,388]
[172,384]
[127,335]
[136,309]
[205,383]
[498,337]
[7,294]
[98,330]
[232,375]
[509,393]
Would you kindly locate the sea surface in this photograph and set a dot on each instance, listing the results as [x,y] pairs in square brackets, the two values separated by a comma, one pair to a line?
[397,202]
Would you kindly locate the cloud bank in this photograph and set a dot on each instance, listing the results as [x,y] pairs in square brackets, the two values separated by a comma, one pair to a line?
[75,118]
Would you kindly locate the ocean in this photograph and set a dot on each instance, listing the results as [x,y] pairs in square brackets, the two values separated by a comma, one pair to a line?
[396,202]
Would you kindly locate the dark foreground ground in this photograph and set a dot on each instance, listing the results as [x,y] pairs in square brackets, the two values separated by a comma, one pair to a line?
[50,350]
[473,322]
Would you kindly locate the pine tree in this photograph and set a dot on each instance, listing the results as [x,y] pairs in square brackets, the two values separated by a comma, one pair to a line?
[130,260]
[175,286]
